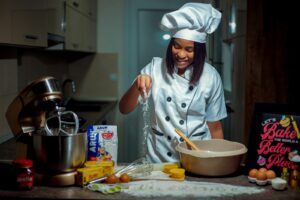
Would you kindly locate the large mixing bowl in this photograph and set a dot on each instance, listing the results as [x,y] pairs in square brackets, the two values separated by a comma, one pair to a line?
[216,157]
[59,154]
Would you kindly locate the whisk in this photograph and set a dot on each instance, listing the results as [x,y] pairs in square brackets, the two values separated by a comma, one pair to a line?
[139,168]
[62,123]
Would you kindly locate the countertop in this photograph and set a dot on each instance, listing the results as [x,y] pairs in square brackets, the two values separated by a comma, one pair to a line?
[75,192]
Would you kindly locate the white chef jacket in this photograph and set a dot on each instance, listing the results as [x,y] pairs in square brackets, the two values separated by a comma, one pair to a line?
[174,103]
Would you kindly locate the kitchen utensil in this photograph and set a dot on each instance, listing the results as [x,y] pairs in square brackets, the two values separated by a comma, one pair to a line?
[27,111]
[64,123]
[216,157]
[140,167]
[58,154]
[186,139]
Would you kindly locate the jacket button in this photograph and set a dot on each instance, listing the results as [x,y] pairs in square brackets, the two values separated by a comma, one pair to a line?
[183,105]
[169,137]
[191,87]
[169,154]
[167,118]
[169,99]
[181,122]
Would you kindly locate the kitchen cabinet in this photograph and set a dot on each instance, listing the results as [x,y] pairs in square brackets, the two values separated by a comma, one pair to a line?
[4,22]
[55,17]
[23,22]
[85,7]
[28,23]
[35,22]
[89,35]
[29,28]
[80,30]
[74,31]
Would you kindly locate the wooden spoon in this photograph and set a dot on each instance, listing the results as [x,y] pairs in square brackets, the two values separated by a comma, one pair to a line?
[187,140]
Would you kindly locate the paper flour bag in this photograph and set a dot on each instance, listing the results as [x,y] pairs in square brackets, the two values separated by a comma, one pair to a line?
[103,142]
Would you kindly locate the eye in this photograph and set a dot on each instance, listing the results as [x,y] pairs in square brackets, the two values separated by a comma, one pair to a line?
[190,49]
[176,46]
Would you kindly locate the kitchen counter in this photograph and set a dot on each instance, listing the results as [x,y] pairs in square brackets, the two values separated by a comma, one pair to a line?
[74,192]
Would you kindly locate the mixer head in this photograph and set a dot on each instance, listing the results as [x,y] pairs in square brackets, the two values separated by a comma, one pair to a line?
[27,111]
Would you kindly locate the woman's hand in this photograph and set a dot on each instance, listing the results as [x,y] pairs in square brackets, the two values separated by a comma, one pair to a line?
[130,99]
[143,83]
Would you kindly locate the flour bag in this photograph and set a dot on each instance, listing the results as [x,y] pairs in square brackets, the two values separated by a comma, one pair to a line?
[102,143]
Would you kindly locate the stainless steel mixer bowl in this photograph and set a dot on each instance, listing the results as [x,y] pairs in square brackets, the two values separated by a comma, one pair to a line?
[59,154]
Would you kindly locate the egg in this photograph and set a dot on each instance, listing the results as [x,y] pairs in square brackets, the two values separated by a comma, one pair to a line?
[252,173]
[261,176]
[270,174]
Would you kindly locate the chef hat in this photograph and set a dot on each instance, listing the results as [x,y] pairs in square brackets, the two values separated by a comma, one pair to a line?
[193,21]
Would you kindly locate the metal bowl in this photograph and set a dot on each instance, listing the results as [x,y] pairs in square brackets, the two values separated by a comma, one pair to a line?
[59,154]
[216,157]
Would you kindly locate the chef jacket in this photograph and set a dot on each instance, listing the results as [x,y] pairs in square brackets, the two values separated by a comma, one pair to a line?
[175,103]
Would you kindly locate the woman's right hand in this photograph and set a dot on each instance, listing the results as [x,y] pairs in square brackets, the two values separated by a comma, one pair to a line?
[130,99]
[143,83]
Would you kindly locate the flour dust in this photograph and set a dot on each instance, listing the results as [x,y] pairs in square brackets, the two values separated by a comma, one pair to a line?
[156,188]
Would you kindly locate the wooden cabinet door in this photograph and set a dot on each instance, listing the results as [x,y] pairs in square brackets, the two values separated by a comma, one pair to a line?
[55,17]
[5,21]
[89,40]
[74,29]
[79,5]
[29,28]
[92,9]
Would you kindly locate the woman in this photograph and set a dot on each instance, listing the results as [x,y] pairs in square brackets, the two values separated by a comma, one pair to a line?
[184,92]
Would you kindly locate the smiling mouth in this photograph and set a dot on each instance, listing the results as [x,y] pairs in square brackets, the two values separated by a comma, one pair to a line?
[181,62]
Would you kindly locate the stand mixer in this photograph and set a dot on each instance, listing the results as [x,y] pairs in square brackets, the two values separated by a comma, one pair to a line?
[31,116]
[27,111]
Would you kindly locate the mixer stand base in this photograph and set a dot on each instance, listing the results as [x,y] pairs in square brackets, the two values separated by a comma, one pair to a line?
[63,179]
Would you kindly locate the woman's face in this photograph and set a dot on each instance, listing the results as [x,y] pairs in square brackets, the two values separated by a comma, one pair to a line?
[183,54]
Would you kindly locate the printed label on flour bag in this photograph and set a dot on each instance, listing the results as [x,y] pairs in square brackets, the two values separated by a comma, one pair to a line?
[102,142]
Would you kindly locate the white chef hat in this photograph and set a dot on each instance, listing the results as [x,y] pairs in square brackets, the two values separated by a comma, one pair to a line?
[193,21]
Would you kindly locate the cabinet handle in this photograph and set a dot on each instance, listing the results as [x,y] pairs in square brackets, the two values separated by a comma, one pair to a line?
[75,4]
[31,37]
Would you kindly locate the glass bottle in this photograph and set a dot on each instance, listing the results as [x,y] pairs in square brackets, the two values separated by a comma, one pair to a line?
[285,174]
[294,179]
[23,172]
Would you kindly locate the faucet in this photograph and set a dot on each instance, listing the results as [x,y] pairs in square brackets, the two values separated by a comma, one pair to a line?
[68,97]
[68,80]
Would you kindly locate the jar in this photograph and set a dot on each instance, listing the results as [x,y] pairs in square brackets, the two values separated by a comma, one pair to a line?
[294,179]
[24,177]
[285,174]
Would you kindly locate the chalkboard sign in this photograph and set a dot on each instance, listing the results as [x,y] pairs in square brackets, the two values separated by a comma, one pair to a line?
[274,140]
